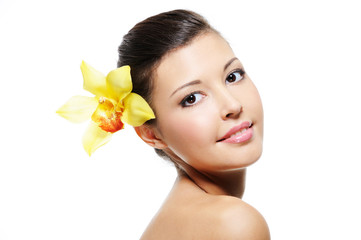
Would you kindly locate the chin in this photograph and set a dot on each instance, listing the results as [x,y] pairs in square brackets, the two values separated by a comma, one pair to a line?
[246,159]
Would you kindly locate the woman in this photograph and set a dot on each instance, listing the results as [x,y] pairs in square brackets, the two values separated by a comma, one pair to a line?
[209,123]
[205,116]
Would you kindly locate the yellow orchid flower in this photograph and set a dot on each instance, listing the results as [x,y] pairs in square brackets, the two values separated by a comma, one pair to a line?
[113,104]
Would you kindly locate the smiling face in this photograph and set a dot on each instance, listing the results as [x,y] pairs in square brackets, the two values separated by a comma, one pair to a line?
[209,113]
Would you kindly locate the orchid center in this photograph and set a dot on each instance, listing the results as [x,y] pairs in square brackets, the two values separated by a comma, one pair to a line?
[107,117]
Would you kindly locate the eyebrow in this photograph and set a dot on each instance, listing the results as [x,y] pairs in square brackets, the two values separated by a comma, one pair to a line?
[229,63]
[195,82]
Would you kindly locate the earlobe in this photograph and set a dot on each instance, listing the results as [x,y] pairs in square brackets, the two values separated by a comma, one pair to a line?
[148,135]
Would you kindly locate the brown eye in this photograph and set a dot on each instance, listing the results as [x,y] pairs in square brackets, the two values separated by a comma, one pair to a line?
[235,76]
[191,99]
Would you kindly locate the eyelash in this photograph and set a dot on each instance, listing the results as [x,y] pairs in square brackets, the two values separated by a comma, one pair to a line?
[240,71]
[187,98]
[184,102]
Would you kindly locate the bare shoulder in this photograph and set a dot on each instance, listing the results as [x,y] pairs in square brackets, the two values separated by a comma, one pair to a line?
[235,219]
[189,213]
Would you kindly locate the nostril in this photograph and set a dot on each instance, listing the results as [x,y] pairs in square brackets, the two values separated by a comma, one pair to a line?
[235,113]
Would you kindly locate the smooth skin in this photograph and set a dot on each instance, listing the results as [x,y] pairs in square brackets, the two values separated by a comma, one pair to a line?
[200,92]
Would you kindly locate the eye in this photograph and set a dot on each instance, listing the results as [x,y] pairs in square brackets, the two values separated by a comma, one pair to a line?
[235,76]
[191,99]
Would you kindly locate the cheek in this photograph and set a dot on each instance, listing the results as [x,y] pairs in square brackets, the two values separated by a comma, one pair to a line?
[255,103]
[256,108]
[188,129]
[252,101]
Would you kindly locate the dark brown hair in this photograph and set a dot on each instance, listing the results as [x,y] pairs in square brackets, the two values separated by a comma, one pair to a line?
[149,41]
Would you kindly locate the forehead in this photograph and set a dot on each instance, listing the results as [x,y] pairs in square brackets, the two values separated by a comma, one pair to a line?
[205,54]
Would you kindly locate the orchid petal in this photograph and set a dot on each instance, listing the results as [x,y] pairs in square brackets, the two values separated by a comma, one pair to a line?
[78,108]
[119,83]
[94,81]
[136,110]
[94,138]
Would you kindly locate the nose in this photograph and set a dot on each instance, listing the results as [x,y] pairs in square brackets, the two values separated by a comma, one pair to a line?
[231,107]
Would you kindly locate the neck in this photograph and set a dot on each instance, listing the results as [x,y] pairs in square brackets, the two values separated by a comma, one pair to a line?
[231,183]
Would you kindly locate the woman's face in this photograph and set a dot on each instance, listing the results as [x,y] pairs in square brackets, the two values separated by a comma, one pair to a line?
[202,97]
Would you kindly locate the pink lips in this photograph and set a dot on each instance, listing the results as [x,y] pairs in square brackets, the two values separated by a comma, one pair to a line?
[238,134]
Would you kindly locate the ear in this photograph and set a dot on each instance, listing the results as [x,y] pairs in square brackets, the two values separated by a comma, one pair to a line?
[148,135]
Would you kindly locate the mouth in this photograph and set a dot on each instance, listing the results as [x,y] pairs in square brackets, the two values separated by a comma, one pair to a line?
[238,134]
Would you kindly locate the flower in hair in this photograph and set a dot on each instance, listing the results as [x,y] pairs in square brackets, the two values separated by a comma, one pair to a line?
[113,104]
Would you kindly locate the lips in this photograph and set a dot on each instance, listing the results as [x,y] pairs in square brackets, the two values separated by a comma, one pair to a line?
[238,134]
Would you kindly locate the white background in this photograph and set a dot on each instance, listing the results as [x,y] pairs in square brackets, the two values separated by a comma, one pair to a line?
[304,56]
